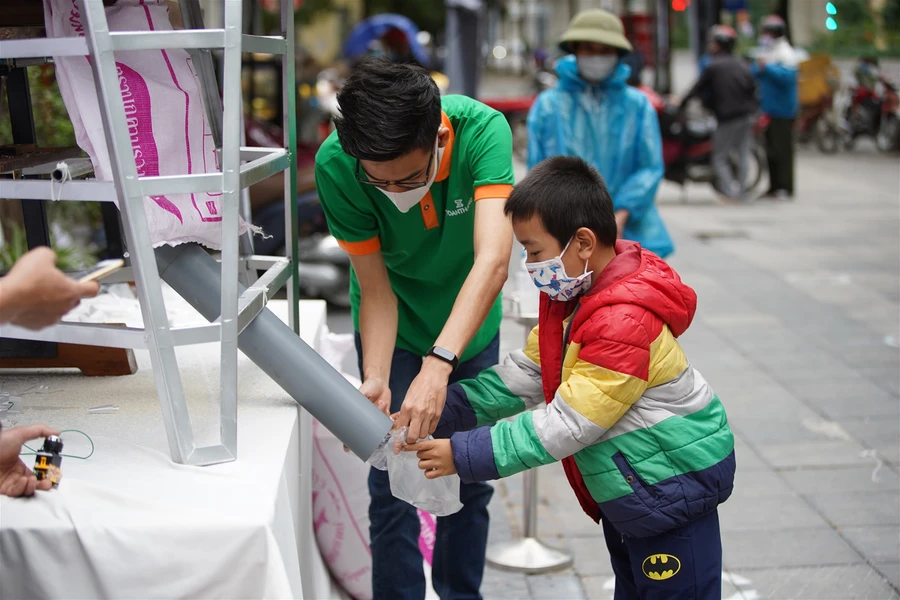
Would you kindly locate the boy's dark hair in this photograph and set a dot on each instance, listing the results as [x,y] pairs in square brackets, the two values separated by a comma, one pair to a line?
[566,193]
[387,111]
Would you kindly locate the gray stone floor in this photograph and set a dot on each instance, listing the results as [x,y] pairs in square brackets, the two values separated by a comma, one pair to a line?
[797,330]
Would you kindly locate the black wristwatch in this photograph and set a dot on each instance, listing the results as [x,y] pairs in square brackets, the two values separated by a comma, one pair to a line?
[444,355]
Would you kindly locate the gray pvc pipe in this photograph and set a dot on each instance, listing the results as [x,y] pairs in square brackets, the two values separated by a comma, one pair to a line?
[278,351]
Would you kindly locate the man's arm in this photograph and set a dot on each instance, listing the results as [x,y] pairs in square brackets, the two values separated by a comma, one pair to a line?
[699,87]
[638,192]
[356,231]
[493,245]
[377,327]
[781,75]
[499,392]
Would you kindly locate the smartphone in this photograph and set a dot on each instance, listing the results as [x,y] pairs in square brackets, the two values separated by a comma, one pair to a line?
[102,269]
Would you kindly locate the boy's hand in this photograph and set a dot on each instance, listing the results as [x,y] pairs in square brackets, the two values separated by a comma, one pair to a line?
[435,457]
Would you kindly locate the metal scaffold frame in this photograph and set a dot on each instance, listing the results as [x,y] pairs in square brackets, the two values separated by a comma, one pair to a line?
[240,168]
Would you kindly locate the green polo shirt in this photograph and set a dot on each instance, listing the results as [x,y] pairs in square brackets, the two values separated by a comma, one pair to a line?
[429,250]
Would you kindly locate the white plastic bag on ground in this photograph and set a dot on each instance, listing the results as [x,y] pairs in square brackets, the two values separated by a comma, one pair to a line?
[164,115]
[341,499]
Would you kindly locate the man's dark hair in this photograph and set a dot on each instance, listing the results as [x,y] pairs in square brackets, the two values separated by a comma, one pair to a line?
[566,193]
[387,111]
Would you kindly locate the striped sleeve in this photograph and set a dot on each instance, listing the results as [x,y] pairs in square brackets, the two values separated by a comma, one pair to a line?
[609,375]
[498,392]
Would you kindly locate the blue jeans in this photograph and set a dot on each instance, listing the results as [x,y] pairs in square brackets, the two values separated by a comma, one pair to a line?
[458,561]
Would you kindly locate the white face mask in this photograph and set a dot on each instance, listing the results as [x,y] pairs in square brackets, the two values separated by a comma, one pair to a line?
[406,200]
[550,277]
[597,68]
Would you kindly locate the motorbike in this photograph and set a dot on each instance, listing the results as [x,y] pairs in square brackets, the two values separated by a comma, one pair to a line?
[687,145]
[874,111]
[818,79]
[323,268]
[817,123]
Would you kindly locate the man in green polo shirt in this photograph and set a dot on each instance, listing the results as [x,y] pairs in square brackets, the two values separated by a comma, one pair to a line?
[413,188]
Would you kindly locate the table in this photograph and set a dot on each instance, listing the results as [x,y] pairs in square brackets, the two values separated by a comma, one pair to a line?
[130,523]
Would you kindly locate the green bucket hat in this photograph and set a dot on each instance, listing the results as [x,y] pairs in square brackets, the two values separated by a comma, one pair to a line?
[598,26]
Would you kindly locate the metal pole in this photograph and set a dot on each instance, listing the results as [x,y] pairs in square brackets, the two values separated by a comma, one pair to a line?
[531,502]
[529,554]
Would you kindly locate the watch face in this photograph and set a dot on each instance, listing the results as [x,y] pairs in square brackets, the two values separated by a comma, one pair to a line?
[446,355]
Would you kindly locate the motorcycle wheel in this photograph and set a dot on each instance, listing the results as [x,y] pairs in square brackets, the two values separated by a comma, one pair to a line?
[827,136]
[886,140]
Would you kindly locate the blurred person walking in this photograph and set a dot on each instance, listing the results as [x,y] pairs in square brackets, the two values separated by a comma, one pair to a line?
[727,88]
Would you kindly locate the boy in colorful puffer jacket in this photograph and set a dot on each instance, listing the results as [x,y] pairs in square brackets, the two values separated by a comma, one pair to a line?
[644,440]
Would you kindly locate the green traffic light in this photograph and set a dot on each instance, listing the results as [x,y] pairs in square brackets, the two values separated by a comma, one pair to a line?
[830,8]
[830,24]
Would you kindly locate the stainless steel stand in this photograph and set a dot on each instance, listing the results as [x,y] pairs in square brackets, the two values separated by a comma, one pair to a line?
[240,168]
[529,554]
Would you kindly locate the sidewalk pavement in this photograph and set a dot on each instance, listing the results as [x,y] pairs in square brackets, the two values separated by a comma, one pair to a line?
[797,330]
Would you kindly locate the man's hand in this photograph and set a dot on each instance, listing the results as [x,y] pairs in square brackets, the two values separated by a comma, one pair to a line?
[35,294]
[377,391]
[424,402]
[761,64]
[15,478]
[621,221]
[435,457]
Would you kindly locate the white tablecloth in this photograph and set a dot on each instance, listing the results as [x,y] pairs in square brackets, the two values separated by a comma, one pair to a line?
[129,523]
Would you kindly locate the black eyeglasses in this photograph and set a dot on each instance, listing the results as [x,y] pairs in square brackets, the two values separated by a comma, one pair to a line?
[407,185]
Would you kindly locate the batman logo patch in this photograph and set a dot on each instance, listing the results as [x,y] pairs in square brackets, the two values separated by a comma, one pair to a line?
[660,567]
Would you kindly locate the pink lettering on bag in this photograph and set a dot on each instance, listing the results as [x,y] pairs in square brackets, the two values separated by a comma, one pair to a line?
[138,119]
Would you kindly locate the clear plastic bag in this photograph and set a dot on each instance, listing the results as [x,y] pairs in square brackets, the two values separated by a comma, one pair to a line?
[439,497]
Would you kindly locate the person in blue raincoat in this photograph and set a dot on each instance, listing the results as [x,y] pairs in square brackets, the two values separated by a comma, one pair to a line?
[593,114]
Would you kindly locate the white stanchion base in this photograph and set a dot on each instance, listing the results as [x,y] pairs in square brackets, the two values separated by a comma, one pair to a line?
[528,555]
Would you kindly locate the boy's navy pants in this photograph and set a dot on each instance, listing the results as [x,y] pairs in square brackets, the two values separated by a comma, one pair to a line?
[682,564]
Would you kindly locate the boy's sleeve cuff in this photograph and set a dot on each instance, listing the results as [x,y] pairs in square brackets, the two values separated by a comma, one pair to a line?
[458,414]
[473,455]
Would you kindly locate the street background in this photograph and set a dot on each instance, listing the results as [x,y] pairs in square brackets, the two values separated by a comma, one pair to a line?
[797,330]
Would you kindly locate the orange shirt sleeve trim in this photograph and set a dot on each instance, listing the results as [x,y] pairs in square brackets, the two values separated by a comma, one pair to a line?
[369,246]
[497,190]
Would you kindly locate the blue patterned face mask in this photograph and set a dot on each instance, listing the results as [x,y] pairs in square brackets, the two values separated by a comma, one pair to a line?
[550,277]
